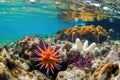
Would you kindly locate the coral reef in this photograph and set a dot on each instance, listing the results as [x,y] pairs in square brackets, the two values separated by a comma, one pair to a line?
[81,55]
[110,67]
[78,61]
[91,33]
[17,68]
[107,71]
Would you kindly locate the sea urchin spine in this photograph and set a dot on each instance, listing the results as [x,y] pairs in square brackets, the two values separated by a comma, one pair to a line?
[48,57]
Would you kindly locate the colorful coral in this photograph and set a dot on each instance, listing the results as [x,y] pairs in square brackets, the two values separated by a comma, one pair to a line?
[91,33]
[101,65]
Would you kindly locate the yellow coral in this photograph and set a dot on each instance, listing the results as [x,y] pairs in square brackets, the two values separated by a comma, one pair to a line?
[85,32]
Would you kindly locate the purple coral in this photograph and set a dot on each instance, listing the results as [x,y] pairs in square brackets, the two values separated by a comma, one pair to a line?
[81,61]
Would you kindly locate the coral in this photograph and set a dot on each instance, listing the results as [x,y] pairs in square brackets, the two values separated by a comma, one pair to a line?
[109,68]
[107,71]
[83,47]
[91,33]
[48,57]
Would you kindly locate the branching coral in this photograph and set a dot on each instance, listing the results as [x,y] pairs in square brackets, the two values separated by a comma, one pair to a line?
[81,55]
[83,47]
[91,33]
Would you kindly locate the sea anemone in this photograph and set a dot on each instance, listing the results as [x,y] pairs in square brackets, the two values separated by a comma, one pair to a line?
[48,57]
[79,60]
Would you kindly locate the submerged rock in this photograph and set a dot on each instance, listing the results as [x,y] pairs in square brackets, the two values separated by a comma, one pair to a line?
[4,72]
[110,67]
[25,45]
[72,73]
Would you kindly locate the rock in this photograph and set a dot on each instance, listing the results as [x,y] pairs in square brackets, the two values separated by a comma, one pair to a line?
[110,67]
[3,54]
[107,71]
[72,73]
[4,73]
[25,46]
[113,56]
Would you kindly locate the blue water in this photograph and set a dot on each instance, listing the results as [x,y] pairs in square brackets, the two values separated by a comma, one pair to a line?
[21,20]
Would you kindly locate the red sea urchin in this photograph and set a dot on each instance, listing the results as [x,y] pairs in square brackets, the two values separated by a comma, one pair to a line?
[48,57]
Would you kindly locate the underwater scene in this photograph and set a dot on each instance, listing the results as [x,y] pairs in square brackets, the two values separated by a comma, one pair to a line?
[59,39]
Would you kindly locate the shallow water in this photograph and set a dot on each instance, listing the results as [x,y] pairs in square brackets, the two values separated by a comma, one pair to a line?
[19,18]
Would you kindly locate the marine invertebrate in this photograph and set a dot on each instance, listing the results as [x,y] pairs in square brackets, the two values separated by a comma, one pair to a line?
[82,61]
[91,33]
[81,55]
[48,57]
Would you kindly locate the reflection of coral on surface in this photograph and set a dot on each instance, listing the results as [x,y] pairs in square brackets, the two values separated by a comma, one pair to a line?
[85,16]
[48,57]
[90,33]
